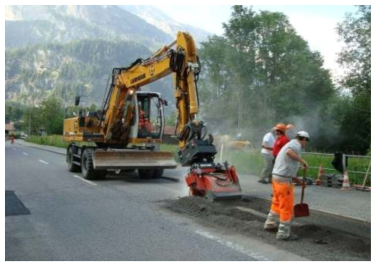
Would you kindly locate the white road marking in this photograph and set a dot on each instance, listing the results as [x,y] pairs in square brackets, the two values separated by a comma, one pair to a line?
[14,148]
[26,154]
[233,246]
[84,180]
[44,162]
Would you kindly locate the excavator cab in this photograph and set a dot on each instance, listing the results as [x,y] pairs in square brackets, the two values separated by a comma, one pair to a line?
[149,115]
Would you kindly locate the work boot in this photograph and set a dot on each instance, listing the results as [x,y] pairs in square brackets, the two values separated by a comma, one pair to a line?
[271,222]
[284,233]
[263,181]
[270,225]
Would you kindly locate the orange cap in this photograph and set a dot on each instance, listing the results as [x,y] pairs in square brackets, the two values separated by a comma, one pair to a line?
[280,127]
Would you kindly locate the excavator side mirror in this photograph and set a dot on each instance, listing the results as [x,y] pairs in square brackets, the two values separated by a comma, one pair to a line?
[164,102]
[77,100]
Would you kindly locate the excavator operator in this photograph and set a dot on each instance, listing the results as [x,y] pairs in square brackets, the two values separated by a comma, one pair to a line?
[145,127]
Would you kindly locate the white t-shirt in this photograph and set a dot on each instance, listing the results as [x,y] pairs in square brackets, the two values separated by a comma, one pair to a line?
[284,165]
[269,140]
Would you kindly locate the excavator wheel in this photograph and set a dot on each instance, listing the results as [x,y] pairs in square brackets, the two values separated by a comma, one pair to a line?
[70,160]
[128,171]
[88,171]
[157,173]
[146,173]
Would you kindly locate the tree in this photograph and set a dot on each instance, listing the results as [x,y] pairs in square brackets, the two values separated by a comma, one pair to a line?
[13,111]
[32,120]
[261,72]
[355,57]
[52,115]
[355,31]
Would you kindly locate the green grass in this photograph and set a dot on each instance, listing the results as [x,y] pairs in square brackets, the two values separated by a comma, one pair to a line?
[169,148]
[51,140]
[354,164]
[246,162]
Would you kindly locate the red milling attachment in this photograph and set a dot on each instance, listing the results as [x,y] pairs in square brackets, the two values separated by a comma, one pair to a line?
[214,181]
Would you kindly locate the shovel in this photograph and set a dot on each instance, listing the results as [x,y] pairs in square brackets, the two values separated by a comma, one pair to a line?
[302,209]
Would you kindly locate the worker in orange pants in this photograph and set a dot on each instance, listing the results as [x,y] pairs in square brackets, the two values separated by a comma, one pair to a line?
[284,173]
[283,200]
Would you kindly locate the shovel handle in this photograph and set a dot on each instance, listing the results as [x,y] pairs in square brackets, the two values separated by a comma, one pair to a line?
[303,185]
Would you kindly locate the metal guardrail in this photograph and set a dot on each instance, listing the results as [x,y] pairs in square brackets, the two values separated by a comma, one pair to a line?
[357,165]
[358,156]
[356,172]
[330,154]
[315,153]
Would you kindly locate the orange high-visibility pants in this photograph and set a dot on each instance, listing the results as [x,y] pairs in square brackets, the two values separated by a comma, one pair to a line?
[282,200]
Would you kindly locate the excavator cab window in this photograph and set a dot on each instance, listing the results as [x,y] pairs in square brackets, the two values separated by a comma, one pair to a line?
[150,116]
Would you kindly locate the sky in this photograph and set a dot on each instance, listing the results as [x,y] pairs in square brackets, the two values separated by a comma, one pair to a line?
[316,24]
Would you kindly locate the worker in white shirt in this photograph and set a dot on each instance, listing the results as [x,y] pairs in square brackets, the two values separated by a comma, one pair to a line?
[266,152]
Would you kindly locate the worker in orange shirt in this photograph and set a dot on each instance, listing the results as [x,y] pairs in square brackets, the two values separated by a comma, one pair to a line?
[281,139]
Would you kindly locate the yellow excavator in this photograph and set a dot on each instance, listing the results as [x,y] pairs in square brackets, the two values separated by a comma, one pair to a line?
[128,129]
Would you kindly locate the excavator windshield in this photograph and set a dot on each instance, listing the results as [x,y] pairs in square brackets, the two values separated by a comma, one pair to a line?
[150,115]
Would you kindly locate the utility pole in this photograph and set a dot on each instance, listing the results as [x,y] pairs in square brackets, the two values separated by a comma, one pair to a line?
[30,119]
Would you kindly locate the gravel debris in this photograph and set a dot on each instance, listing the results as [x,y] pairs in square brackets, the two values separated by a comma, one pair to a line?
[316,242]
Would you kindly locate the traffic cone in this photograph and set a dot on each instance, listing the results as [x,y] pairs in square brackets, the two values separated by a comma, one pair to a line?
[321,172]
[346,182]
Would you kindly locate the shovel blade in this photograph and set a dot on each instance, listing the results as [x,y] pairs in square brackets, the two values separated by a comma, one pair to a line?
[301,210]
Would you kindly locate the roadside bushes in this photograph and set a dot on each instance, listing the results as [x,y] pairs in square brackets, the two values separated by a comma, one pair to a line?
[50,140]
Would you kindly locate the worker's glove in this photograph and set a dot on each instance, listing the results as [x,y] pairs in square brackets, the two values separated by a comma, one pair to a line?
[305,166]
[300,182]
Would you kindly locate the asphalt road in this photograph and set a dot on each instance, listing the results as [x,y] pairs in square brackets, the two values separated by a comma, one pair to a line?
[119,218]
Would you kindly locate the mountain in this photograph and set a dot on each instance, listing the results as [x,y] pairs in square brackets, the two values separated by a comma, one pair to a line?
[78,47]
[28,25]
[159,19]
[65,70]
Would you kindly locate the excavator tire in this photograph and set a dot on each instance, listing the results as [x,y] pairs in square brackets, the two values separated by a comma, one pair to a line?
[70,160]
[128,171]
[157,173]
[146,173]
[88,171]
